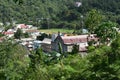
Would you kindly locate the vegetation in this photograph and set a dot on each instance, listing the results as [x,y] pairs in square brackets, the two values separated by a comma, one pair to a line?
[106,31]
[13,61]
[101,63]
[26,35]
[18,34]
[94,18]
[42,36]
[56,14]
[51,31]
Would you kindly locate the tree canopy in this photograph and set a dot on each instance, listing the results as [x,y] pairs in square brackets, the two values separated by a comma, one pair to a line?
[101,63]
[56,13]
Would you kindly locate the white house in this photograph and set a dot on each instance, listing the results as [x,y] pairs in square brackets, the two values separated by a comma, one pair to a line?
[9,33]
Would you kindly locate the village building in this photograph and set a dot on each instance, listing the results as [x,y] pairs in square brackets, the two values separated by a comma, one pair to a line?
[8,34]
[22,26]
[33,33]
[46,45]
[30,29]
[36,44]
[67,42]
[27,42]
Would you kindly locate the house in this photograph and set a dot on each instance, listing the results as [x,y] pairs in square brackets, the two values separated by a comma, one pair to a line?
[22,26]
[36,44]
[27,42]
[9,34]
[46,45]
[33,33]
[11,30]
[67,42]
[29,45]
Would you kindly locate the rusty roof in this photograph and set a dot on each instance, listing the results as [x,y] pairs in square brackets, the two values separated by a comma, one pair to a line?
[77,39]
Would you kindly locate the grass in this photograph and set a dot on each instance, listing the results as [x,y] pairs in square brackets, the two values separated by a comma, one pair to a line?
[50,31]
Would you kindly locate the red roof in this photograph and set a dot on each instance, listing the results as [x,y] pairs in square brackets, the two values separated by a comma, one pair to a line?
[10,32]
[23,26]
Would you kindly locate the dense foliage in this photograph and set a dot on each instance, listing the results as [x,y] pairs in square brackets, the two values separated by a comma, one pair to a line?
[101,63]
[55,13]
[13,61]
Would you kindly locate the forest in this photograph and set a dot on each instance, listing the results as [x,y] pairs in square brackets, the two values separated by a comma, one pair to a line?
[56,13]
[102,62]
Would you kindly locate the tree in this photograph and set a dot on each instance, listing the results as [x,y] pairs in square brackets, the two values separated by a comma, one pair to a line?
[37,69]
[93,19]
[115,49]
[75,49]
[26,35]
[106,31]
[42,36]
[101,66]
[13,61]
[18,34]
[18,1]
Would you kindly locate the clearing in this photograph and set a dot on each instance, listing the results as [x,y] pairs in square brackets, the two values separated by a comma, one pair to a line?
[50,31]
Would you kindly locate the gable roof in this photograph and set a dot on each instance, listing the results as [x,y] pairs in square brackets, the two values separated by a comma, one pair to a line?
[77,39]
[74,39]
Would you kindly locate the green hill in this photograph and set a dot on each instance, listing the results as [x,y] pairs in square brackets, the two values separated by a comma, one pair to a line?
[54,11]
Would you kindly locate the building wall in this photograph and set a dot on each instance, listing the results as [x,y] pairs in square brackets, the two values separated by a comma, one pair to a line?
[69,48]
[46,47]
[55,45]
[65,48]
[84,44]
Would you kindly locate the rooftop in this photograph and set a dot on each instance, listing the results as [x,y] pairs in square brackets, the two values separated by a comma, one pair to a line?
[76,39]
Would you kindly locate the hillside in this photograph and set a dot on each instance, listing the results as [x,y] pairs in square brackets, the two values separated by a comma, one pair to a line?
[54,11]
